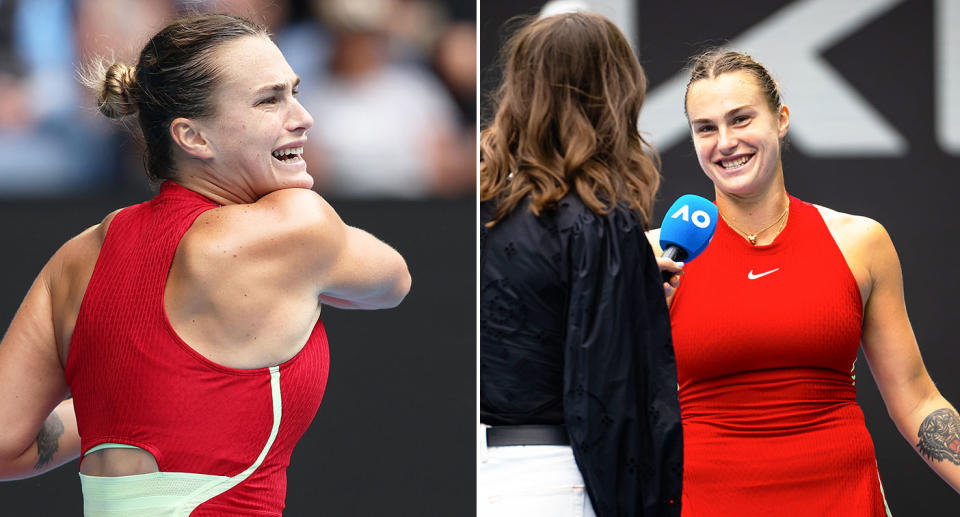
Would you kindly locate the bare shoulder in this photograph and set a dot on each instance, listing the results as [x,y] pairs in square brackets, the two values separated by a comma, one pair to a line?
[82,250]
[291,232]
[67,275]
[298,202]
[853,231]
[285,217]
[865,245]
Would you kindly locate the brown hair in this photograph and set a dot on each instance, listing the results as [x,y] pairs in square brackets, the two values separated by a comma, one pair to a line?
[175,77]
[716,61]
[567,119]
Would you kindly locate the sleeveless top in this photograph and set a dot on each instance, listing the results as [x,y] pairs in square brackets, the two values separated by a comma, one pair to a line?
[766,338]
[222,437]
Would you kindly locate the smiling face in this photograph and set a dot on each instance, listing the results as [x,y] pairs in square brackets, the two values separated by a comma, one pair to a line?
[255,137]
[736,133]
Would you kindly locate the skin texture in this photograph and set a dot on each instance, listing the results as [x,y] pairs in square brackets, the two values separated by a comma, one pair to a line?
[247,281]
[730,118]
[48,440]
[229,153]
[940,436]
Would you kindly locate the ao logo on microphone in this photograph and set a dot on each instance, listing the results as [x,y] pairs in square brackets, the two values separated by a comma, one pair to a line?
[699,218]
[687,229]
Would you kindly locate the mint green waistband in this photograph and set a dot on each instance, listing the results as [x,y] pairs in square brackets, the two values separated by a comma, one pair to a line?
[145,495]
[110,445]
[167,494]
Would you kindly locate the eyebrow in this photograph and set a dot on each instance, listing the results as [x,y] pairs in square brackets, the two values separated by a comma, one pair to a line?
[725,115]
[278,87]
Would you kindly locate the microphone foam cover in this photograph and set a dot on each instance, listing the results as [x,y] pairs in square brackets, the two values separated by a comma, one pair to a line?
[689,224]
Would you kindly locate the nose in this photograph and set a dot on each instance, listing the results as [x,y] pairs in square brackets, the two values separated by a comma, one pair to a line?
[726,140]
[300,119]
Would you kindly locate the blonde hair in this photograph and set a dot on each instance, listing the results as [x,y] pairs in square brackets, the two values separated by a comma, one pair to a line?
[113,84]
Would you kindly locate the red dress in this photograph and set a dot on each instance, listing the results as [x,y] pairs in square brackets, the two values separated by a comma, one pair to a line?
[766,338]
[135,382]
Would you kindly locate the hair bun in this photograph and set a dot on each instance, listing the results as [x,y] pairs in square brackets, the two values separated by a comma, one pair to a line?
[116,95]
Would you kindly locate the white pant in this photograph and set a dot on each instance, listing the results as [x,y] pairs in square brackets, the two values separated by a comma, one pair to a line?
[529,481]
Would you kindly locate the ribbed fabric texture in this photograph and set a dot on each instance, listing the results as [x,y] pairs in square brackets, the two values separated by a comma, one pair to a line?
[135,381]
[766,338]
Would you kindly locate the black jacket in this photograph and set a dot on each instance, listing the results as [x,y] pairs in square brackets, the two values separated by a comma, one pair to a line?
[574,329]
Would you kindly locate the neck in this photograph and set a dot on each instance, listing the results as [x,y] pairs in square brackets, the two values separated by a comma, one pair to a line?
[760,217]
[754,211]
[752,215]
[215,191]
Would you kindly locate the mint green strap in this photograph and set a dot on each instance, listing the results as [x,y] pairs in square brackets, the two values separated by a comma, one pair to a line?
[110,445]
[167,494]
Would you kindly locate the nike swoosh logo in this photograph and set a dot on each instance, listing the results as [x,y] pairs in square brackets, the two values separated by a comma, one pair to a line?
[752,276]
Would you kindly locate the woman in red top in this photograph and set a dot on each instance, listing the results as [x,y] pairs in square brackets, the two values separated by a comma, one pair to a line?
[767,321]
[187,328]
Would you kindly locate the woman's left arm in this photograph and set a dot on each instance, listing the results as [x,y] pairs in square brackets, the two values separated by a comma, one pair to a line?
[923,416]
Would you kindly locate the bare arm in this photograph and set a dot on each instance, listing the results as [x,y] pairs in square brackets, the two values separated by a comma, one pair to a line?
[347,266]
[341,303]
[35,438]
[364,273]
[923,416]
[56,443]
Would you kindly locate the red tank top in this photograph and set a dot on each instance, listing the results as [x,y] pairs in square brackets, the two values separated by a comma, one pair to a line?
[766,338]
[134,381]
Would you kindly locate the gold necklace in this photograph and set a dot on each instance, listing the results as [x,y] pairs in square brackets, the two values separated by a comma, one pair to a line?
[753,237]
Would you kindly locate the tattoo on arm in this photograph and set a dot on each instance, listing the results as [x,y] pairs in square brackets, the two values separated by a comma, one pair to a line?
[48,440]
[940,436]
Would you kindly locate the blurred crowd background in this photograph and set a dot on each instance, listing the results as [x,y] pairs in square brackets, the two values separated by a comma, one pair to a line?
[390,83]
[391,87]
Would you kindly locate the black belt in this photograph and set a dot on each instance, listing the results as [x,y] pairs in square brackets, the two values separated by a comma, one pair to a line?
[504,435]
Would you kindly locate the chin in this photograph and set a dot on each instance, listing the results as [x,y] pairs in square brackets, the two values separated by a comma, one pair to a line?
[300,180]
[735,188]
[740,183]
[306,183]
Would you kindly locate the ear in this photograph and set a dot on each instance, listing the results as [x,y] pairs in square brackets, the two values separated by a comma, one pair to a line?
[783,123]
[186,134]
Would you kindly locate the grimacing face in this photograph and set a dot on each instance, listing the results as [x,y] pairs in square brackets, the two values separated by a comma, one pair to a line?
[258,129]
[736,134]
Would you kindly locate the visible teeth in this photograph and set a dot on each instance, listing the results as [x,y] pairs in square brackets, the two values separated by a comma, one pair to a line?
[733,164]
[288,151]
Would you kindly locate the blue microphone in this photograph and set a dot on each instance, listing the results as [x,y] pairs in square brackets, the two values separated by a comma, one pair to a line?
[687,229]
